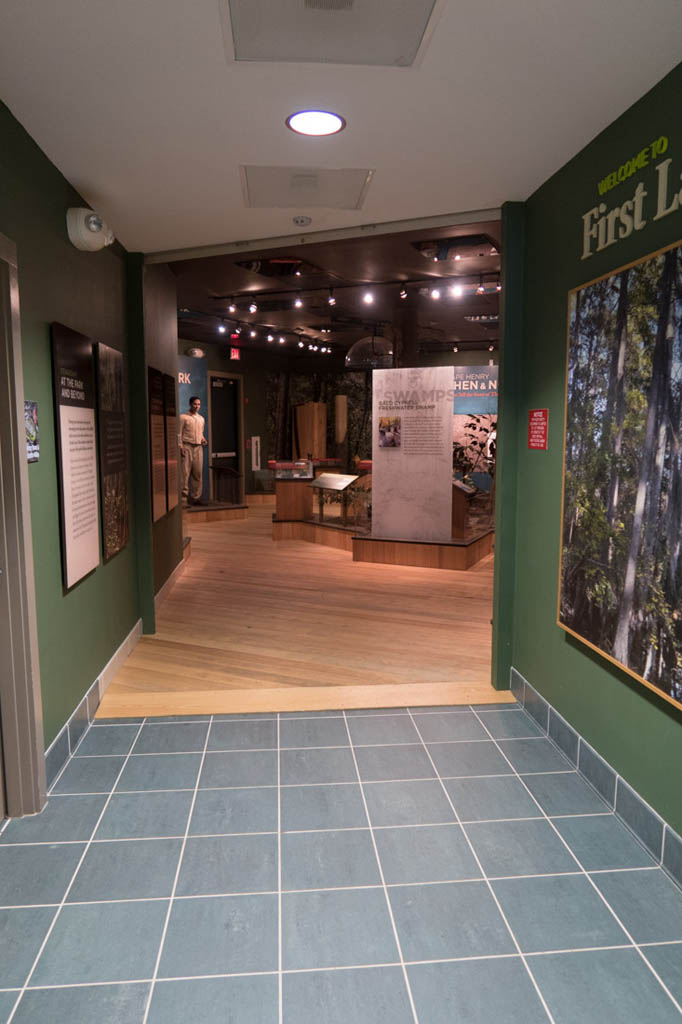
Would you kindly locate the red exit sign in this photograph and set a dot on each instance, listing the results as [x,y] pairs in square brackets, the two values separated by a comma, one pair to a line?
[234,353]
[538,423]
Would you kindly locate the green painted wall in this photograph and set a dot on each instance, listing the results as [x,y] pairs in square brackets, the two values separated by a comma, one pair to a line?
[79,631]
[636,731]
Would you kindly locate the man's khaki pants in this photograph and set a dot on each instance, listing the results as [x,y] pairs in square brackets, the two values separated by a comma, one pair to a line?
[192,469]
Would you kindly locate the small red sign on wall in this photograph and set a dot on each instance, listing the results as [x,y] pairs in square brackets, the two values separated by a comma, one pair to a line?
[538,422]
[234,353]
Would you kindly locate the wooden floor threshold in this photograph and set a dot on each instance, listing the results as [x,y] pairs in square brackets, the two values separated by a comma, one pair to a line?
[298,698]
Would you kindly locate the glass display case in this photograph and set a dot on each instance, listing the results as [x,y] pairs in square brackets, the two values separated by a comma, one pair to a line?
[335,506]
[298,469]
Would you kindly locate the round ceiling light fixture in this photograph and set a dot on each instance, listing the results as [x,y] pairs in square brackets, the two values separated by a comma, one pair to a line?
[315,122]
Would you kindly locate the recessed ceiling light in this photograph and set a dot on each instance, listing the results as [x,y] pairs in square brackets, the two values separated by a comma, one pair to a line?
[457,291]
[315,122]
[368,298]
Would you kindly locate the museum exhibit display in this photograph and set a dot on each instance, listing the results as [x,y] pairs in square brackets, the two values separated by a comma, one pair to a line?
[157,443]
[74,389]
[621,572]
[315,328]
[170,411]
[333,498]
[411,454]
[113,450]
[32,431]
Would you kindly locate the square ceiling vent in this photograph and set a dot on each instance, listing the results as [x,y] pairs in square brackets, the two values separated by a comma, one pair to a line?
[304,187]
[381,33]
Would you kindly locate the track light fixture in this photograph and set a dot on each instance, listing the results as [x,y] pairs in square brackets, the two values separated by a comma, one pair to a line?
[498,286]
[282,339]
[456,291]
[253,308]
[221,327]
[491,348]
[331,300]
[298,301]
[270,337]
[301,344]
[481,288]
[238,329]
[254,333]
[455,348]
[232,308]
[403,292]
[435,293]
[368,298]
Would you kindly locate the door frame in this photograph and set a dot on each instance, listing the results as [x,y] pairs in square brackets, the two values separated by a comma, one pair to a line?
[240,427]
[20,695]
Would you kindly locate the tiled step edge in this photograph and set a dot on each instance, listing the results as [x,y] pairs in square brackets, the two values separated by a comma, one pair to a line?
[652,831]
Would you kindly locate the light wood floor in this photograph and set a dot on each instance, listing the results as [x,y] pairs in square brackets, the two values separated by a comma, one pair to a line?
[254,625]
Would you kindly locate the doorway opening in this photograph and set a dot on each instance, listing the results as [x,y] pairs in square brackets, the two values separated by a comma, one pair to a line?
[304,598]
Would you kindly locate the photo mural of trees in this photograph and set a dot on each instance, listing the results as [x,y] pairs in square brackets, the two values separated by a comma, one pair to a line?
[621,565]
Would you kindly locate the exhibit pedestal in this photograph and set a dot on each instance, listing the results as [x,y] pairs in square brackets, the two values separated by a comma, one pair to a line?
[214,513]
[458,554]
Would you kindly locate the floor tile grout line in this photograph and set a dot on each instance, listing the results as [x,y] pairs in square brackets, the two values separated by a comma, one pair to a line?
[272,750]
[340,828]
[345,967]
[299,785]
[326,888]
[462,710]
[67,891]
[590,880]
[280,985]
[178,869]
[492,892]
[396,937]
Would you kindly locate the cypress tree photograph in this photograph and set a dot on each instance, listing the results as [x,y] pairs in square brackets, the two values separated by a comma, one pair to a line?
[620,586]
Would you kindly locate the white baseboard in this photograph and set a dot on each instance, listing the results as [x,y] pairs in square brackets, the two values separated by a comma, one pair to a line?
[168,585]
[119,656]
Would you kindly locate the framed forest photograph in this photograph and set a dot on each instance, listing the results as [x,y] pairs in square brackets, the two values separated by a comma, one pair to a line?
[620,579]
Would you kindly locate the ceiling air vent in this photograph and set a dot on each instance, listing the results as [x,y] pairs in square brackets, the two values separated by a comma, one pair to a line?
[305,187]
[374,33]
[328,5]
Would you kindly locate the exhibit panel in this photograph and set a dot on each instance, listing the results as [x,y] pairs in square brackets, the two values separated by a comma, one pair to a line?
[411,454]
[170,407]
[113,452]
[157,443]
[74,384]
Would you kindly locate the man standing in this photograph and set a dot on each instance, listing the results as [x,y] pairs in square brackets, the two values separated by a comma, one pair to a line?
[192,440]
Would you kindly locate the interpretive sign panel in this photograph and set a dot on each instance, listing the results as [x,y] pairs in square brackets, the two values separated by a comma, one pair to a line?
[157,442]
[171,413]
[32,431]
[113,451]
[74,384]
[412,453]
[475,390]
[620,588]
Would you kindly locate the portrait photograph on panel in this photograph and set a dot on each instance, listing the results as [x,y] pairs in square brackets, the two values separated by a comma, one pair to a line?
[620,586]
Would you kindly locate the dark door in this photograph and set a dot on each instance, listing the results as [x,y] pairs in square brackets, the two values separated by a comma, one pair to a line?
[226,468]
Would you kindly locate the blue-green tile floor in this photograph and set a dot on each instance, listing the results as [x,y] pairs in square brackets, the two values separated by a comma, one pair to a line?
[404,866]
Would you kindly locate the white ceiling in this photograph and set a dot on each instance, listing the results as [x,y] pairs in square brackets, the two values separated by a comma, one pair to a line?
[136,103]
